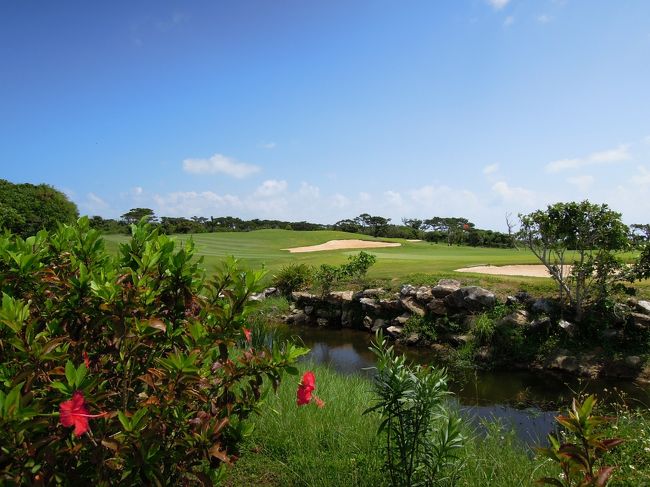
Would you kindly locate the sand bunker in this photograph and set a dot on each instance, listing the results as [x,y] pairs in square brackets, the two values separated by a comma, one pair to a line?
[512,270]
[414,240]
[343,244]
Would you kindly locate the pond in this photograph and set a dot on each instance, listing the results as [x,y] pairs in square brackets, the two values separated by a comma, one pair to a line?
[524,400]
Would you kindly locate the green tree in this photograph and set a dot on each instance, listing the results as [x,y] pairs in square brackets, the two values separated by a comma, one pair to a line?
[134,215]
[27,208]
[583,235]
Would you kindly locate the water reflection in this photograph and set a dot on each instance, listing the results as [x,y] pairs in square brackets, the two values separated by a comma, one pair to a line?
[523,400]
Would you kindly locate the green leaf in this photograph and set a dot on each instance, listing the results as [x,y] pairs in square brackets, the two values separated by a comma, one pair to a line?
[80,374]
[70,373]
[126,423]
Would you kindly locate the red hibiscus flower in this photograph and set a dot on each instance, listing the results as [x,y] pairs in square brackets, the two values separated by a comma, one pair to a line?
[305,388]
[248,334]
[75,413]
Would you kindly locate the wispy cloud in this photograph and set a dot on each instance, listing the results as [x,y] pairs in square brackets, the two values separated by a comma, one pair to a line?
[513,194]
[544,18]
[583,182]
[271,187]
[498,4]
[491,169]
[219,163]
[269,145]
[643,176]
[509,20]
[620,154]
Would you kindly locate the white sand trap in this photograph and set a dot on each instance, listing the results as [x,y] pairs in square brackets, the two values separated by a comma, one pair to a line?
[343,244]
[512,270]
[414,240]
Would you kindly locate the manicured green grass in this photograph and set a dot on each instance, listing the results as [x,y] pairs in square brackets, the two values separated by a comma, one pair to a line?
[413,262]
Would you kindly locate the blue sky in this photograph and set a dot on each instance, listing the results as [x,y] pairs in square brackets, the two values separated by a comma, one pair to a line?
[322,110]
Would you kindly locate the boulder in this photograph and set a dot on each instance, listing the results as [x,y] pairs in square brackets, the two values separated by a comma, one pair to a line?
[445,287]
[372,293]
[471,298]
[412,339]
[309,310]
[367,322]
[640,321]
[378,324]
[542,305]
[519,317]
[321,322]
[370,305]
[298,318]
[390,305]
[437,307]
[541,322]
[401,319]
[643,307]
[395,331]
[569,328]
[423,294]
[562,361]
[408,290]
[302,297]
[415,308]
[336,297]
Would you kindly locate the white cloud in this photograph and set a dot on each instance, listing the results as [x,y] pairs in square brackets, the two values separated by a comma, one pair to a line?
[544,19]
[620,154]
[498,4]
[340,201]
[137,190]
[517,196]
[583,182]
[269,145]
[491,169]
[219,163]
[94,204]
[189,203]
[643,177]
[364,197]
[393,198]
[271,187]
[509,20]
[309,191]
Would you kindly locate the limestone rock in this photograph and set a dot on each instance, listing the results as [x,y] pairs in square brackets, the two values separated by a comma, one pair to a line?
[445,287]
[643,307]
[370,305]
[640,321]
[437,307]
[336,297]
[367,321]
[633,361]
[395,331]
[471,298]
[390,305]
[519,317]
[412,339]
[372,293]
[408,290]
[565,363]
[379,324]
[309,310]
[322,322]
[569,328]
[423,293]
[542,305]
[413,307]
[402,319]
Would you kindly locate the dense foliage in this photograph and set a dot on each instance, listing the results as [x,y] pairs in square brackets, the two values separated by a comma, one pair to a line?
[585,236]
[27,208]
[152,364]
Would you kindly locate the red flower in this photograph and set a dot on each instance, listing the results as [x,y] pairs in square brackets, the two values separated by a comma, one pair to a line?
[75,413]
[305,388]
[248,334]
[86,359]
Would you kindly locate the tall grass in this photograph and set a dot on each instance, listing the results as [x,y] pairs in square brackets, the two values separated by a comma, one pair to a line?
[338,446]
[308,446]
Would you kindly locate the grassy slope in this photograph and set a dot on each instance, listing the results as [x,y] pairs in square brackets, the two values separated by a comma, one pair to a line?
[413,262]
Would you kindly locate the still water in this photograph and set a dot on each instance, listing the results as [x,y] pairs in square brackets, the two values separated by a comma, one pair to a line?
[523,400]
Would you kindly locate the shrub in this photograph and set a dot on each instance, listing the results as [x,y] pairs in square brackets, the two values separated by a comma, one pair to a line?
[292,277]
[149,362]
[327,276]
[423,326]
[423,438]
